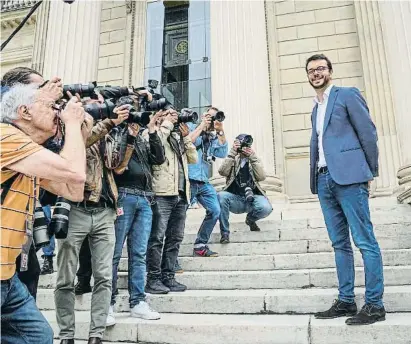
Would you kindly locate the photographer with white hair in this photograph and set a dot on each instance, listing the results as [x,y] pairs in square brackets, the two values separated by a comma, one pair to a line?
[29,116]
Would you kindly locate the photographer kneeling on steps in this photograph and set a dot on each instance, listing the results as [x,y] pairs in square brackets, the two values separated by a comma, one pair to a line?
[242,193]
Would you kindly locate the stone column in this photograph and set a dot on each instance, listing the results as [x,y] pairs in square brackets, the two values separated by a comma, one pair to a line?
[73,41]
[378,92]
[396,24]
[40,37]
[240,77]
[136,37]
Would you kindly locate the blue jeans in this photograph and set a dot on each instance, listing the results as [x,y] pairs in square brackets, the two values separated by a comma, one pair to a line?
[343,207]
[21,320]
[48,250]
[135,225]
[207,197]
[256,210]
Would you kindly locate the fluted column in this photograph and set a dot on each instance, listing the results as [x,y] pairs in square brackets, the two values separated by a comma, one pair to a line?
[240,77]
[40,37]
[378,92]
[396,24]
[73,41]
[137,30]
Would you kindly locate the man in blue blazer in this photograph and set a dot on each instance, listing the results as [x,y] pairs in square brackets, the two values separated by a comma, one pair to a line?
[343,161]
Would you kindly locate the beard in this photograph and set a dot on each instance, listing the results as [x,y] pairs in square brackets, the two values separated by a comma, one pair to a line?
[325,81]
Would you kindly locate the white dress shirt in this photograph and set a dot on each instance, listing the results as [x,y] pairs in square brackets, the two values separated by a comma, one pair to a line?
[322,108]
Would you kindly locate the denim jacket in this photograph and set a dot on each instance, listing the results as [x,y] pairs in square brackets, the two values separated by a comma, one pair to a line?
[200,170]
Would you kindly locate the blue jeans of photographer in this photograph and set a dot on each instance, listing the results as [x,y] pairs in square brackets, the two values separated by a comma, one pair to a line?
[21,320]
[134,223]
[206,195]
[256,210]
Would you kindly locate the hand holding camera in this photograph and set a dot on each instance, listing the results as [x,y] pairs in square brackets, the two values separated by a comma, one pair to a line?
[236,147]
[151,126]
[73,112]
[53,88]
[87,126]
[247,151]
[122,113]
[184,130]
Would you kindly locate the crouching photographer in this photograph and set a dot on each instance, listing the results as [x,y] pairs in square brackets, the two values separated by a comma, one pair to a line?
[93,217]
[242,193]
[134,180]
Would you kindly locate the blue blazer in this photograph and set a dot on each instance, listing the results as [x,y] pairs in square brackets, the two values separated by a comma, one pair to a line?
[349,139]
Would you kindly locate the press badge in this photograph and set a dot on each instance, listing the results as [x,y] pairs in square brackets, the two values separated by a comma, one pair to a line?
[120,211]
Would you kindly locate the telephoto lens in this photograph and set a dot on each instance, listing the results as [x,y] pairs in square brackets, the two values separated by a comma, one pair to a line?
[249,194]
[40,232]
[187,115]
[60,220]
[84,90]
[101,111]
[219,116]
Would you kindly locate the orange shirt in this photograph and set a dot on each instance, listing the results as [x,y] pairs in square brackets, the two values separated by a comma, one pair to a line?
[18,204]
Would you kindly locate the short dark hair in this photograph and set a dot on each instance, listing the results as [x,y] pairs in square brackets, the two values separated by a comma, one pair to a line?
[18,75]
[212,108]
[319,57]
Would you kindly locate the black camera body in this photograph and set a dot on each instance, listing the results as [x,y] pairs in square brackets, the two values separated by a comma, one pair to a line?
[245,141]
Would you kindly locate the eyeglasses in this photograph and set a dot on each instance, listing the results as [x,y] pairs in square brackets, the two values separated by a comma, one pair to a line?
[318,69]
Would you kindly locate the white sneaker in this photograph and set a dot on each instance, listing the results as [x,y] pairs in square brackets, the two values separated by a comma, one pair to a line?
[143,310]
[111,320]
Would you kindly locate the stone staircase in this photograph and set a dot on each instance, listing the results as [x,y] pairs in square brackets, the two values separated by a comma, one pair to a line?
[265,286]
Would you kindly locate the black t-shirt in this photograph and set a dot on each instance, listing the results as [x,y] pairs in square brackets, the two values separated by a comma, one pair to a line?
[242,180]
[134,176]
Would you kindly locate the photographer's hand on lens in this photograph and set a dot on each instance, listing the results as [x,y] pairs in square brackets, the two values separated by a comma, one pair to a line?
[73,112]
[218,126]
[122,114]
[53,88]
[133,129]
[146,94]
[87,127]
[247,151]
[236,146]
[184,130]
[151,126]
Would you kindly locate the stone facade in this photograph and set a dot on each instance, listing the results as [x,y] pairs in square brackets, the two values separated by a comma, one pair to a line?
[267,64]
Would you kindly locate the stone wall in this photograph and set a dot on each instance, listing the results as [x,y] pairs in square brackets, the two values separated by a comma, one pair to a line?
[304,28]
[113,43]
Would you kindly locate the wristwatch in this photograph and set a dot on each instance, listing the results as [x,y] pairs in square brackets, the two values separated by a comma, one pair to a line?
[220,133]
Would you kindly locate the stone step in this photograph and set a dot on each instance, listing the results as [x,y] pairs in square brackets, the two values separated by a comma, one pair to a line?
[289,230]
[284,247]
[246,329]
[278,301]
[279,261]
[278,279]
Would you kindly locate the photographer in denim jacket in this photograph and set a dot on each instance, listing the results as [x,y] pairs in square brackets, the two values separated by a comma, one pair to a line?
[210,142]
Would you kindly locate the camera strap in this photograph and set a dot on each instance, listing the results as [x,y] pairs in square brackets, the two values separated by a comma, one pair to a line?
[29,223]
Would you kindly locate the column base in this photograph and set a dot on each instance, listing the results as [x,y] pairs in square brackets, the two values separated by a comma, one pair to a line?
[404,180]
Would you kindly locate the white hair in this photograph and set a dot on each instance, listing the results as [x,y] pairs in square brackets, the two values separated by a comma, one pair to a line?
[16,96]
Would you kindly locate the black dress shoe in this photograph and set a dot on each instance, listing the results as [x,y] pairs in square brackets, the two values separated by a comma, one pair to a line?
[94,340]
[67,341]
[82,288]
[369,314]
[338,309]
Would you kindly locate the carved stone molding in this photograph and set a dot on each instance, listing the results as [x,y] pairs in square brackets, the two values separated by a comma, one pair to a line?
[129,6]
[378,92]
[12,23]
[397,37]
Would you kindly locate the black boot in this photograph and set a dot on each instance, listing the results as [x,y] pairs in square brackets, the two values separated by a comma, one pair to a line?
[82,287]
[253,226]
[369,314]
[47,267]
[67,341]
[156,287]
[338,309]
[173,285]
